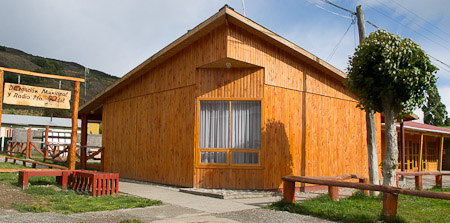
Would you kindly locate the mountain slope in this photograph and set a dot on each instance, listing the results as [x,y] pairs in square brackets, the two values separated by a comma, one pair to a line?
[13,58]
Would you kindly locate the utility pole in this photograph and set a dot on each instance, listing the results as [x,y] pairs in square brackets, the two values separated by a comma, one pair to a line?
[370,117]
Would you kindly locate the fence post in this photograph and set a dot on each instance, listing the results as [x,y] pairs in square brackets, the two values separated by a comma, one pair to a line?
[390,205]
[333,192]
[366,181]
[418,181]
[83,142]
[28,151]
[46,142]
[288,191]
[439,181]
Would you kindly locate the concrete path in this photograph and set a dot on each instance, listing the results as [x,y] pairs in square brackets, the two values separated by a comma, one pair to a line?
[196,208]
[174,197]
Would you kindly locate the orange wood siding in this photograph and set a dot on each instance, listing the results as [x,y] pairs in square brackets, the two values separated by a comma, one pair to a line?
[281,69]
[283,141]
[149,124]
[230,83]
[311,125]
[335,138]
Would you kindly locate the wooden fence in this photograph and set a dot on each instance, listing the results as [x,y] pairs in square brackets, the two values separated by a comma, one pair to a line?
[390,194]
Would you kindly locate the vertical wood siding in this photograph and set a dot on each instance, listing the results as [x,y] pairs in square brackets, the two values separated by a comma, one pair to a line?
[311,124]
[149,124]
[230,83]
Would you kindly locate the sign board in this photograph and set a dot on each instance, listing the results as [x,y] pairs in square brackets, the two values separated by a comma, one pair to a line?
[18,94]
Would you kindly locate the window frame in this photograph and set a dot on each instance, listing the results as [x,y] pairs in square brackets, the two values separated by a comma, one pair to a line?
[229,151]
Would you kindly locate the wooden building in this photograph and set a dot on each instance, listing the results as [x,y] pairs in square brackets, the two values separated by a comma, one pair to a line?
[424,147]
[230,104]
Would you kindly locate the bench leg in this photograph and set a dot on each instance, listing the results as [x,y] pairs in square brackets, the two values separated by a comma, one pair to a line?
[439,181]
[334,193]
[288,191]
[23,180]
[59,180]
[418,180]
[64,180]
[390,205]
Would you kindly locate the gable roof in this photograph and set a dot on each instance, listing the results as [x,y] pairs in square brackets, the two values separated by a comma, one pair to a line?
[225,14]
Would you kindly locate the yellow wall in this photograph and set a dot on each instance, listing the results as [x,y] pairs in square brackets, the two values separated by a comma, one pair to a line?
[93,128]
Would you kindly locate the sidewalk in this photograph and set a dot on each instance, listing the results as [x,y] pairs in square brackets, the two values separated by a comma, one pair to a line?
[196,208]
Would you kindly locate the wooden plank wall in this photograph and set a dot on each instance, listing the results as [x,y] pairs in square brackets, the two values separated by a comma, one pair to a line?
[149,125]
[318,127]
[230,83]
[243,83]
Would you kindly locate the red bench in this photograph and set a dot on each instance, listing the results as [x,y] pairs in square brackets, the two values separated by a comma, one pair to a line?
[99,183]
[61,176]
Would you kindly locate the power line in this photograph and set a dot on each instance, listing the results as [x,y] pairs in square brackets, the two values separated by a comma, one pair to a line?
[335,13]
[347,10]
[436,59]
[448,34]
[339,7]
[412,20]
[420,34]
[337,45]
[377,27]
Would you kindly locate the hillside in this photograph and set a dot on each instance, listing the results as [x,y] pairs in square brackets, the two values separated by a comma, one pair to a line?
[13,58]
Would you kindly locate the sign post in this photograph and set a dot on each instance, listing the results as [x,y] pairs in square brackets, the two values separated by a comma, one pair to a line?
[44,97]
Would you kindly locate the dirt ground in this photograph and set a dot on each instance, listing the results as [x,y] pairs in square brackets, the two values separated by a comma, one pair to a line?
[11,194]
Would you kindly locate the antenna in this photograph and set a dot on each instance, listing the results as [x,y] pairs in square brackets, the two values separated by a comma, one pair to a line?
[243,7]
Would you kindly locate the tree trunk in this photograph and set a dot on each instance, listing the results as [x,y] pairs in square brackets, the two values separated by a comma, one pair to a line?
[391,155]
[372,150]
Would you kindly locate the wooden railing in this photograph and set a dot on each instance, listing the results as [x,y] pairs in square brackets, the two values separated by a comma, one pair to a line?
[418,177]
[390,194]
[34,163]
[14,147]
[94,155]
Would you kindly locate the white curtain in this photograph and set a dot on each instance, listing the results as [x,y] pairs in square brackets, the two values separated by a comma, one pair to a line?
[245,158]
[213,157]
[246,124]
[214,124]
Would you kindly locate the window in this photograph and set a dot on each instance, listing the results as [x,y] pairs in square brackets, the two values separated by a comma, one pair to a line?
[232,129]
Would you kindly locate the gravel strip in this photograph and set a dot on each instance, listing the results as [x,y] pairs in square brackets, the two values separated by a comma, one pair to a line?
[266,215]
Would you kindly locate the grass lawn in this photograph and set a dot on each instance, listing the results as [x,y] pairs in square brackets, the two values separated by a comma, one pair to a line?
[362,208]
[67,201]
[48,196]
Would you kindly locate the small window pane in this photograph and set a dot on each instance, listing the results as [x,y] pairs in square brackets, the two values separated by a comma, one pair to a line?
[213,157]
[246,124]
[245,158]
[214,124]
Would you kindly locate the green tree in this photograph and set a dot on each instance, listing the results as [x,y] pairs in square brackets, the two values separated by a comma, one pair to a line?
[434,111]
[390,75]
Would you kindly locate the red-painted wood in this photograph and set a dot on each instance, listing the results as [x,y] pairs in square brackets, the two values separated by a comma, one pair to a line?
[334,193]
[390,205]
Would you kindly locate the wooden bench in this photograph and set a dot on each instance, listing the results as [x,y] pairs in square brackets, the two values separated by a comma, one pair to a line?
[98,183]
[61,176]
[418,177]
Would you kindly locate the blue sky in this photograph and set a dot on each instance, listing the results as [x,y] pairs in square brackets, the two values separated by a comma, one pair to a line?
[115,36]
